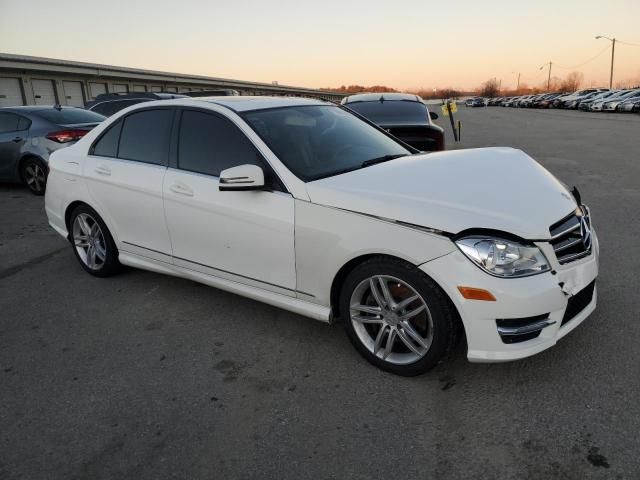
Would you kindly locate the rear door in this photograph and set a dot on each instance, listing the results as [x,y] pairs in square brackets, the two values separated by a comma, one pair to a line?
[13,135]
[124,170]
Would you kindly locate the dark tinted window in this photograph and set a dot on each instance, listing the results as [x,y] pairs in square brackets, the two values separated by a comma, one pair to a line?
[209,144]
[24,123]
[145,136]
[109,108]
[70,116]
[391,111]
[107,145]
[8,122]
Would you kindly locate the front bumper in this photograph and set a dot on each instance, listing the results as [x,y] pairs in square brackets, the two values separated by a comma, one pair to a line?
[538,295]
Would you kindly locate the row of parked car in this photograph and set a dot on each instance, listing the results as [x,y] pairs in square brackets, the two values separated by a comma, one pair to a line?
[590,99]
[29,134]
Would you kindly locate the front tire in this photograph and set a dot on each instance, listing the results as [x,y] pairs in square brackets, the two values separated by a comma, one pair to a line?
[92,242]
[397,317]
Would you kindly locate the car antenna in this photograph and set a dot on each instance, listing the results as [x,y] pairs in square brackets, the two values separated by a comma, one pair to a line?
[57,106]
[381,98]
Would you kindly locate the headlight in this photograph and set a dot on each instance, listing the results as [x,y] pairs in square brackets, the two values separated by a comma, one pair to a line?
[503,258]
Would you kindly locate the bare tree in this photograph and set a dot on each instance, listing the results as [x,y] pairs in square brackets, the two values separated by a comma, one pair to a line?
[489,88]
[572,82]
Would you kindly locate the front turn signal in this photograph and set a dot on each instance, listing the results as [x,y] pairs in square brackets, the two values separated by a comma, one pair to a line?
[471,293]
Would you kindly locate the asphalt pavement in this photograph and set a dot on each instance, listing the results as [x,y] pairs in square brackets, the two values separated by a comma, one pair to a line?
[144,376]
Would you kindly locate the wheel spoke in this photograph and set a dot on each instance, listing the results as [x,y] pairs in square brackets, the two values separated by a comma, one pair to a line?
[30,170]
[413,312]
[411,332]
[81,241]
[101,253]
[377,296]
[378,343]
[385,292]
[91,257]
[391,338]
[95,230]
[84,225]
[407,301]
[30,180]
[407,341]
[367,309]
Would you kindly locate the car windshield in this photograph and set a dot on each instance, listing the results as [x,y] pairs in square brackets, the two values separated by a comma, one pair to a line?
[321,141]
[392,112]
[70,116]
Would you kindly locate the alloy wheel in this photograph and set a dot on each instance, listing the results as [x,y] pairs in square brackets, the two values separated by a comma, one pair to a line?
[391,319]
[35,177]
[89,241]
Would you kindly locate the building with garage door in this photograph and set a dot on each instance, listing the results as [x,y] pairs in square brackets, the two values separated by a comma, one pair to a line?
[26,80]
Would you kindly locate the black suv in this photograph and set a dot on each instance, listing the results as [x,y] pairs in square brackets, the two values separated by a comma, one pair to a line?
[109,103]
[403,115]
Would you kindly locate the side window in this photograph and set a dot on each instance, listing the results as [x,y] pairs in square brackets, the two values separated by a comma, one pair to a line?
[107,108]
[8,122]
[146,135]
[209,144]
[24,123]
[107,144]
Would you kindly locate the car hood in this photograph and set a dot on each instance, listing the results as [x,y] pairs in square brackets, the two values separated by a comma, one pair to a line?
[491,188]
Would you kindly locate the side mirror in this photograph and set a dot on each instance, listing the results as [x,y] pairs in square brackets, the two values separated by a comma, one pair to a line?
[433,115]
[241,178]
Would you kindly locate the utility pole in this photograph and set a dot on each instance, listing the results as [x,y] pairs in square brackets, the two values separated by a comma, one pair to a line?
[548,79]
[613,52]
[518,83]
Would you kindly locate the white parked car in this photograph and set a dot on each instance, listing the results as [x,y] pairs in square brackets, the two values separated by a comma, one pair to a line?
[305,206]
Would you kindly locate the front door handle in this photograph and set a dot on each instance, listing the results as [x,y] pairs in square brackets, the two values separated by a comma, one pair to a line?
[181,189]
[17,139]
[102,170]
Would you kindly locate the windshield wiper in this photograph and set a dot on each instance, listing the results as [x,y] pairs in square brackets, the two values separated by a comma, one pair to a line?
[386,158]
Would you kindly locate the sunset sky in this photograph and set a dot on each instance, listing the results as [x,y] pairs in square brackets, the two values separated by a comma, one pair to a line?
[402,44]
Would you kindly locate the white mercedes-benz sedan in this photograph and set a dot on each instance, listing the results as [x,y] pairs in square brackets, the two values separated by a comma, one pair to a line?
[307,206]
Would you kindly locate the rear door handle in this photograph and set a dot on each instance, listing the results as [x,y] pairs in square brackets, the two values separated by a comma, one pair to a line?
[101,170]
[181,189]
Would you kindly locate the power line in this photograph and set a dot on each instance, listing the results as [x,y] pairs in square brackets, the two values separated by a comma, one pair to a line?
[587,61]
[628,43]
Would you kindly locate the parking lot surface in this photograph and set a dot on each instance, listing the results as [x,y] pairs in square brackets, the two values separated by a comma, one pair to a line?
[145,376]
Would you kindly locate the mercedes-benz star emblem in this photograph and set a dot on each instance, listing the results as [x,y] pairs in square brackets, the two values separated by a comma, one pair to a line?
[585,233]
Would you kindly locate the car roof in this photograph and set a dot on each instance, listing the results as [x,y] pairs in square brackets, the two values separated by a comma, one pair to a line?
[36,108]
[386,96]
[246,103]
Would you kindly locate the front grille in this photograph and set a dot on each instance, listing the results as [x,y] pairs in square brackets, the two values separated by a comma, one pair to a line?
[578,302]
[517,330]
[571,237]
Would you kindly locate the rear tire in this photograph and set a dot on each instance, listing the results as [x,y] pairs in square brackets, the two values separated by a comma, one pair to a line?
[34,175]
[411,312]
[92,242]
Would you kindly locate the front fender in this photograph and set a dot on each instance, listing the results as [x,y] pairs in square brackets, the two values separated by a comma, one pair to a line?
[327,238]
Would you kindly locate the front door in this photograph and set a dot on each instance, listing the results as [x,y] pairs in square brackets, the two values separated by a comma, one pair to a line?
[246,236]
